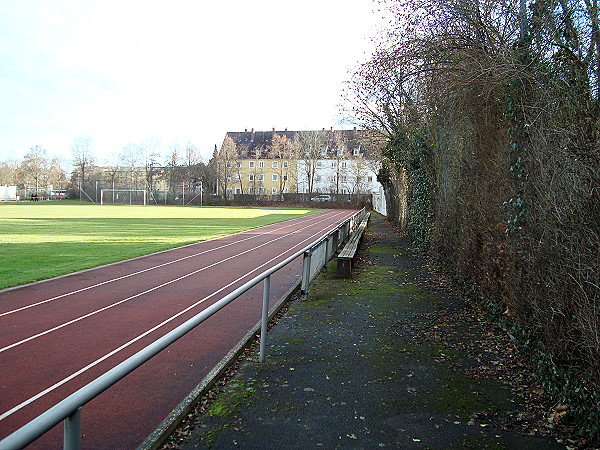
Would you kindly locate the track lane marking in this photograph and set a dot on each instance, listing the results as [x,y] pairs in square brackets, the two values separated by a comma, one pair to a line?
[139,294]
[58,297]
[137,338]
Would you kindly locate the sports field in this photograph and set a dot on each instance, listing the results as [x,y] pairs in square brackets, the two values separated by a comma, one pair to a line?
[47,239]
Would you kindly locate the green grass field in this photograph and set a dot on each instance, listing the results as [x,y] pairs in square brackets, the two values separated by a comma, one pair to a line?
[46,239]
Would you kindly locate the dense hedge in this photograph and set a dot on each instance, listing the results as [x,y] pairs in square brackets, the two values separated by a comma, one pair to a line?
[491,120]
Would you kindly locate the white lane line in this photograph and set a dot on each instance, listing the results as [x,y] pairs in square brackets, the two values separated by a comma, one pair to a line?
[151,268]
[137,338]
[97,311]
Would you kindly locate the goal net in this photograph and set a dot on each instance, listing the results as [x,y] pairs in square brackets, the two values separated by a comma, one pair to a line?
[123,196]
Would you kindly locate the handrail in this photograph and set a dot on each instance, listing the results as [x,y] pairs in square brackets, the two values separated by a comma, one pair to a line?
[69,409]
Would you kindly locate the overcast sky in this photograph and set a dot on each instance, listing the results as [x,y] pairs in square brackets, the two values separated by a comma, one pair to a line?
[124,71]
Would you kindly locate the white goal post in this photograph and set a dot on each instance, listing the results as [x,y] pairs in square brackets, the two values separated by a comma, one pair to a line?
[123,196]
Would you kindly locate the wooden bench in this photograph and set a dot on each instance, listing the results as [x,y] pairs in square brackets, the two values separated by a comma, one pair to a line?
[346,256]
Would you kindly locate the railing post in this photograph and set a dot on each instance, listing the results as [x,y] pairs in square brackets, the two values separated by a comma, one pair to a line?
[265,318]
[72,431]
[305,273]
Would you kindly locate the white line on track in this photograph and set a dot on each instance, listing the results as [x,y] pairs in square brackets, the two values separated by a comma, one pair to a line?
[97,311]
[156,327]
[163,264]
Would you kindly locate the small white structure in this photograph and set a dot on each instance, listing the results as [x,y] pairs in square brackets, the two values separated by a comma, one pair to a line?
[8,193]
[378,201]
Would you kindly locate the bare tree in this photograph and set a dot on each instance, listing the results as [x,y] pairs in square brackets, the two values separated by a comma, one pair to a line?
[284,151]
[151,156]
[114,172]
[173,165]
[9,173]
[130,158]
[311,145]
[340,159]
[35,166]
[83,158]
[227,159]
[57,176]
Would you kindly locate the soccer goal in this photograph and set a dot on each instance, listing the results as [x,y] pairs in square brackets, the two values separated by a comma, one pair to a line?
[123,196]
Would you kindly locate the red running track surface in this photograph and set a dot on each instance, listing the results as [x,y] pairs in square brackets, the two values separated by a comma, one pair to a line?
[60,334]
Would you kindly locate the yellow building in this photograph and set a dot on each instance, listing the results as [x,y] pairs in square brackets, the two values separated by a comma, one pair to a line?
[262,176]
[257,163]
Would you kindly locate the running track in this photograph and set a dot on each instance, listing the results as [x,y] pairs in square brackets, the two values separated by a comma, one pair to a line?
[60,334]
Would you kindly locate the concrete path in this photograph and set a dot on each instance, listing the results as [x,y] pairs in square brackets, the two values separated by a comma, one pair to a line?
[388,358]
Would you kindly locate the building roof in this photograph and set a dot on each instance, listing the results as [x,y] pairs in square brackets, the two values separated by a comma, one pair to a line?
[253,144]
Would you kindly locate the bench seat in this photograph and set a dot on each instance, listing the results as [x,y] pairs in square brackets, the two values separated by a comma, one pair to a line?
[346,257]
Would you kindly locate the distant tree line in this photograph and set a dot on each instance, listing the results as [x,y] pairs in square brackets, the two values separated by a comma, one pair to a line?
[36,171]
[146,166]
[488,112]
[143,166]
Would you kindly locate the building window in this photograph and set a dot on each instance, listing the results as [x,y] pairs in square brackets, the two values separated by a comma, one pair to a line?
[261,177]
[370,179]
[261,191]
[285,178]
[228,177]
[238,164]
[274,177]
[344,164]
[285,164]
[356,151]
[228,165]
[274,164]
[251,164]
[250,190]
[237,177]
[274,191]
[261,164]
[251,177]
[237,190]
[285,190]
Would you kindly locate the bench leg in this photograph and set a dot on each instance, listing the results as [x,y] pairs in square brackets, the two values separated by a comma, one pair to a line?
[344,267]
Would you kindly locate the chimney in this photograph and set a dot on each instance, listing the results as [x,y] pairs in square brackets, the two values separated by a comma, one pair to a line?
[252,131]
[323,129]
[245,130]
[273,129]
[285,128]
[331,129]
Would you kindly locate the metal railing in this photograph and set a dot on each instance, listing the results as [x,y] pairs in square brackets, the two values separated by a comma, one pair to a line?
[316,256]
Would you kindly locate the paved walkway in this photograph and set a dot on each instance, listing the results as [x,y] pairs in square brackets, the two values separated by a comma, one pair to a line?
[381,360]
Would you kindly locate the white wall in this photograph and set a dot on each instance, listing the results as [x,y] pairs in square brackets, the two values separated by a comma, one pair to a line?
[379,203]
[8,193]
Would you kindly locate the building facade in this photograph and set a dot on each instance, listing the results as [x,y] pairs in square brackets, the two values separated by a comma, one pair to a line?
[272,163]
